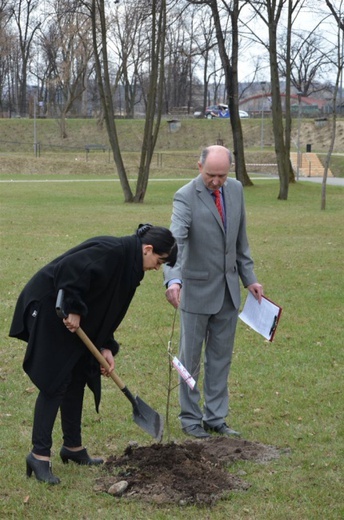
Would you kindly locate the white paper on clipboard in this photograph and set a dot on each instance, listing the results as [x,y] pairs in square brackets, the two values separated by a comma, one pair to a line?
[261,317]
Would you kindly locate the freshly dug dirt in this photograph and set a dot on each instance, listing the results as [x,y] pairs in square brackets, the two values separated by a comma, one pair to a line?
[194,472]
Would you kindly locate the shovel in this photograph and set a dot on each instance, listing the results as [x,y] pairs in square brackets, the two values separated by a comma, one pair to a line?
[144,416]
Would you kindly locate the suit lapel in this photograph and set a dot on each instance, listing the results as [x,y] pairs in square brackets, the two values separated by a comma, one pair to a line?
[230,203]
[207,199]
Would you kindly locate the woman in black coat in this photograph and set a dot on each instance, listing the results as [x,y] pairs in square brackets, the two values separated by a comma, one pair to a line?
[99,278]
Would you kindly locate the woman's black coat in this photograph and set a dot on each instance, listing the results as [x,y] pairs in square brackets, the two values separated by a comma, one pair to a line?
[99,278]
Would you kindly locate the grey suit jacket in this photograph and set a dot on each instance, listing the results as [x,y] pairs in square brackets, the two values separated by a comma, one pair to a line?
[208,257]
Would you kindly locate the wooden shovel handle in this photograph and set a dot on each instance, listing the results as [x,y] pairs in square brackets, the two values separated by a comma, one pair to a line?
[93,349]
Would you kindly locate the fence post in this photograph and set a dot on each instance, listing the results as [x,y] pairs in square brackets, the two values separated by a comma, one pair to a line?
[159,159]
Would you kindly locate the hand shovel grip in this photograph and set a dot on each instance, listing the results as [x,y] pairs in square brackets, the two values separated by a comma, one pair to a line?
[59,307]
[93,349]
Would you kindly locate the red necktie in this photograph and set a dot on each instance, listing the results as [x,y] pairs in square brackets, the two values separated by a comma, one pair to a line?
[217,196]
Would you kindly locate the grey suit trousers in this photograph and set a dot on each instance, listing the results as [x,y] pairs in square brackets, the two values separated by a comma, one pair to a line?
[217,333]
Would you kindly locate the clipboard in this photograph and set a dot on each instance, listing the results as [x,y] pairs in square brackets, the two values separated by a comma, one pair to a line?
[261,317]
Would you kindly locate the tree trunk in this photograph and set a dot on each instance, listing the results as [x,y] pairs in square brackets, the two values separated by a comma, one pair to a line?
[22,92]
[233,90]
[333,126]
[62,125]
[154,98]
[277,114]
[287,90]
[103,79]
[231,78]
[274,10]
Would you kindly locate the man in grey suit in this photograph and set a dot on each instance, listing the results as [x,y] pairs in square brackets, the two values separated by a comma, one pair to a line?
[213,253]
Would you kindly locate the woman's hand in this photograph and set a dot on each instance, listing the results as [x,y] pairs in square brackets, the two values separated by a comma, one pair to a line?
[107,354]
[72,322]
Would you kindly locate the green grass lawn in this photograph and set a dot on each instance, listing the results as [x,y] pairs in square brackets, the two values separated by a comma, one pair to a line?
[288,393]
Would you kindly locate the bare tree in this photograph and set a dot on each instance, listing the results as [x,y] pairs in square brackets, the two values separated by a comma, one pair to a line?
[309,62]
[155,11]
[99,38]
[155,96]
[179,60]
[206,44]
[67,51]
[187,48]
[129,49]
[336,9]
[230,67]
[270,11]
[47,73]
[294,7]
[27,19]
[6,46]
[337,13]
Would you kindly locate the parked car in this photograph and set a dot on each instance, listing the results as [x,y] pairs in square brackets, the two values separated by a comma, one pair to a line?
[221,110]
[243,114]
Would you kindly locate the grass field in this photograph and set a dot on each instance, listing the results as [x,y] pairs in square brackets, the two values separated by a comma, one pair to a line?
[288,393]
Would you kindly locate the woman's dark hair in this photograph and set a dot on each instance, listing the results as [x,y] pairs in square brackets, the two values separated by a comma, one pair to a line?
[161,239]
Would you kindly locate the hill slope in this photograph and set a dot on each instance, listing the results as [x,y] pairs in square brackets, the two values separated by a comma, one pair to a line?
[17,137]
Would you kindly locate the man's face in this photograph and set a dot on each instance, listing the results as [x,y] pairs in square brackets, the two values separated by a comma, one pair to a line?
[215,169]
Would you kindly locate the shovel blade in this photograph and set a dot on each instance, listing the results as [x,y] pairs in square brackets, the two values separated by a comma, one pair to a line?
[148,419]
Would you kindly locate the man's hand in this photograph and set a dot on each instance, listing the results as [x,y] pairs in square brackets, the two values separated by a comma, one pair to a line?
[107,354]
[257,290]
[173,294]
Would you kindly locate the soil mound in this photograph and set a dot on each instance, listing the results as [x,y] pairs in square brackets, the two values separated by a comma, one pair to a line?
[194,472]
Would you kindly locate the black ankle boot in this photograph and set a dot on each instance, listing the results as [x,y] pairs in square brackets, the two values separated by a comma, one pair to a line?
[80,457]
[41,468]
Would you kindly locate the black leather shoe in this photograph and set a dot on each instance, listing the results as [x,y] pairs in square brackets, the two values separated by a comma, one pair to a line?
[41,468]
[196,430]
[221,429]
[80,457]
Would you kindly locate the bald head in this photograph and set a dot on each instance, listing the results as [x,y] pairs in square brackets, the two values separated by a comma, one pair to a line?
[217,149]
[214,165]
